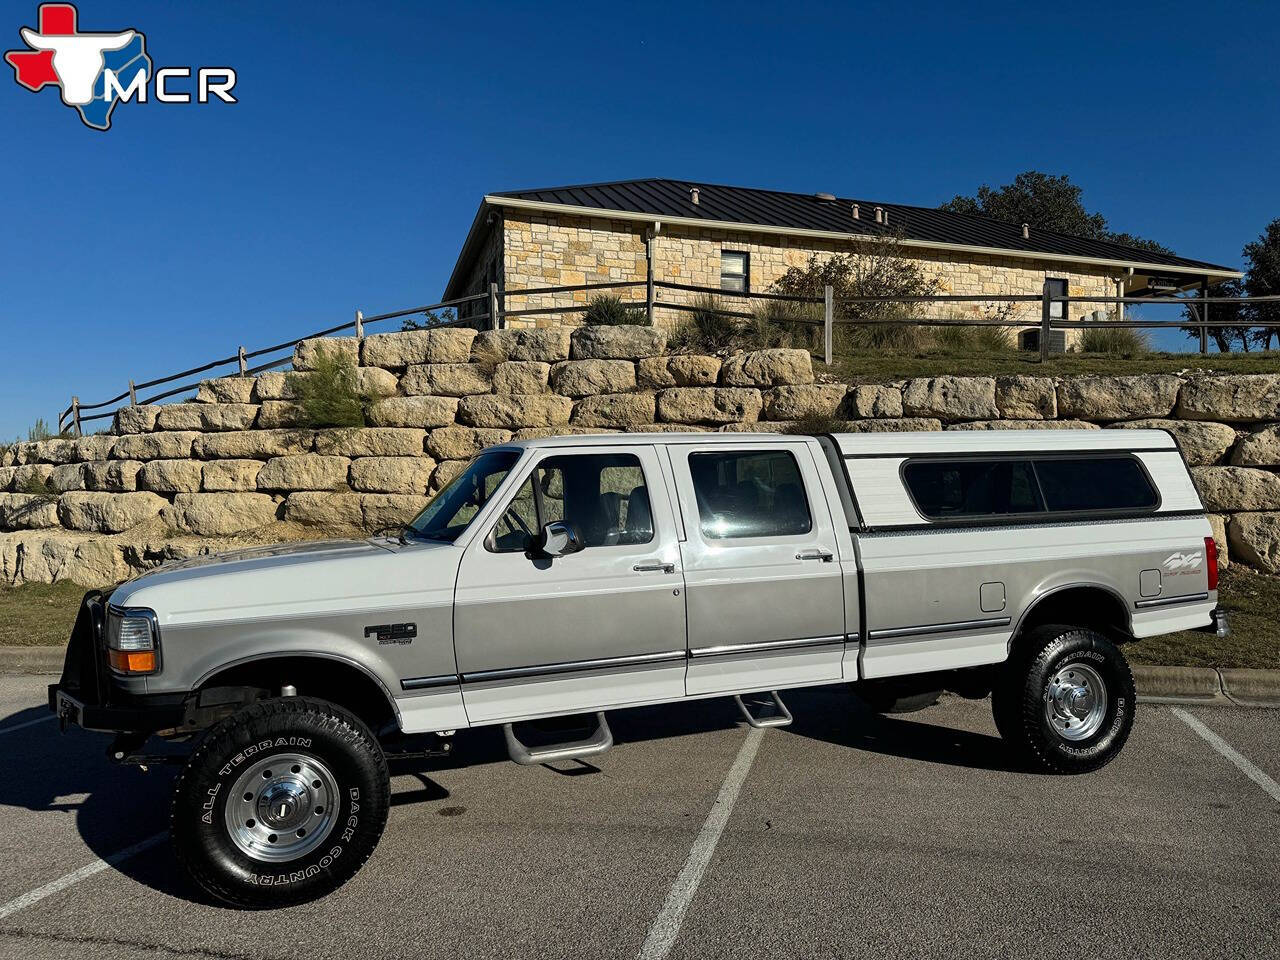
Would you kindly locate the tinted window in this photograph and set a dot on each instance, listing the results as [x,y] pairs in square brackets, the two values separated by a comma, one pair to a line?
[756,494]
[603,495]
[972,488]
[1095,483]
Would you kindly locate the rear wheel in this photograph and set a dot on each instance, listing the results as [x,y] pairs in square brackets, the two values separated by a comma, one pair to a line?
[1066,699]
[280,803]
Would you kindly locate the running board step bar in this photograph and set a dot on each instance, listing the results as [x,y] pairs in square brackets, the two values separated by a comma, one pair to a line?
[598,742]
[769,711]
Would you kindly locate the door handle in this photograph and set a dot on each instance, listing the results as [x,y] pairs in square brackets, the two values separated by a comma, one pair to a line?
[655,566]
[825,556]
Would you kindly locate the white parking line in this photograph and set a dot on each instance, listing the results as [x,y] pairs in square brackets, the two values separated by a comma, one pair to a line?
[1224,748]
[666,927]
[75,876]
[29,723]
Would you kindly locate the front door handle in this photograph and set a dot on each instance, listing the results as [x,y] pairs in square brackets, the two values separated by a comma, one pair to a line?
[825,556]
[655,566]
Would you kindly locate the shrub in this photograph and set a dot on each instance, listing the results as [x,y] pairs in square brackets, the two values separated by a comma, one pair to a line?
[779,323]
[1122,341]
[430,319]
[815,423]
[962,339]
[40,431]
[705,328]
[610,311]
[327,396]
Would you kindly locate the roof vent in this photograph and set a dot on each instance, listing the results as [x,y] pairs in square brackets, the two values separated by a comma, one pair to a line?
[879,214]
[1026,232]
[828,197]
[693,195]
[855,211]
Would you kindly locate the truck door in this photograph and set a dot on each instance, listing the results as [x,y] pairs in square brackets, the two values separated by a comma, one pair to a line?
[764,586]
[599,628]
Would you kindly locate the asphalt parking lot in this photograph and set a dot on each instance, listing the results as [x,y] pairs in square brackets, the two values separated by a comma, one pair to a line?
[844,835]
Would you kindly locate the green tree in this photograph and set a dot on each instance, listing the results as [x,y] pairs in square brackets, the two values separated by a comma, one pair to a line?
[1237,313]
[1047,202]
[1262,279]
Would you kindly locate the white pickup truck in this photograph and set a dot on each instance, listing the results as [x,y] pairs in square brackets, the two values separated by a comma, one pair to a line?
[578,575]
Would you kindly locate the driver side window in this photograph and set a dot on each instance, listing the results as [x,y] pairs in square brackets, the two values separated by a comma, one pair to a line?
[604,496]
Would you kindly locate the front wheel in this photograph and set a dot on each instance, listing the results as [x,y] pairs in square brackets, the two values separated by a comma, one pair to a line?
[1066,699]
[280,803]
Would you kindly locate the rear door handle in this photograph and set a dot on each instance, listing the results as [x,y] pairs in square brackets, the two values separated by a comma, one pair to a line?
[655,566]
[826,556]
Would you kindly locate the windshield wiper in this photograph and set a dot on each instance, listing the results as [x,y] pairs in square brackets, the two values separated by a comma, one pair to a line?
[400,531]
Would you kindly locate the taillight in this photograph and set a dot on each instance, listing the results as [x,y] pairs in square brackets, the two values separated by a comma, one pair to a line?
[1211,558]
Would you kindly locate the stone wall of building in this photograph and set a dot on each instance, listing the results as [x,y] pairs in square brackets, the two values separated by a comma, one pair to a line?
[233,467]
[561,250]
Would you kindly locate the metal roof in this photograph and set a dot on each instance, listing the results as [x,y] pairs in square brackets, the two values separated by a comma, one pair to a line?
[802,214]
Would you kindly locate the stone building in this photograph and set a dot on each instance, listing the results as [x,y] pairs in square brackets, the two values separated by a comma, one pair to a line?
[737,239]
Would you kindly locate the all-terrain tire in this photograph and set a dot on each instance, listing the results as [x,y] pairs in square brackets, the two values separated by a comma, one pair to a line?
[1065,701]
[313,738]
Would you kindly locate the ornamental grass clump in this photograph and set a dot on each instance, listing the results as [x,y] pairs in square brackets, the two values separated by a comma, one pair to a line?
[328,396]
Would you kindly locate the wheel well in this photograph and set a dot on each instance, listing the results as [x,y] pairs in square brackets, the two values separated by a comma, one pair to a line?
[338,682]
[1093,607]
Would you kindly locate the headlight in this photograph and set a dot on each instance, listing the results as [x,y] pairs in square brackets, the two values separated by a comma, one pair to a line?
[133,641]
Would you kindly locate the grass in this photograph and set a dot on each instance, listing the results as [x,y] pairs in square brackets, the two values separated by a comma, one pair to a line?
[881,365]
[38,614]
[1252,600]
[41,614]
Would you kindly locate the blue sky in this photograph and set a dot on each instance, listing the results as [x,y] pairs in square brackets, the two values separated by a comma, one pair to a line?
[348,173]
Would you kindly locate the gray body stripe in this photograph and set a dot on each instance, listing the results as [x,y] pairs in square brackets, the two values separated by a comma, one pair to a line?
[572,666]
[928,628]
[731,648]
[1167,601]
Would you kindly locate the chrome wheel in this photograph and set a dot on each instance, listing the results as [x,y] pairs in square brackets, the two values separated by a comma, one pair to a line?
[282,807]
[1075,701]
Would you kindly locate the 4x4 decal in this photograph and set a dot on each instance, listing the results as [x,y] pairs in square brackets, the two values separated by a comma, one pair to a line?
[1182,561]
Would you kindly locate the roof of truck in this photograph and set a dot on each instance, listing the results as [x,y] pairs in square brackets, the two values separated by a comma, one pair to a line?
[896,444]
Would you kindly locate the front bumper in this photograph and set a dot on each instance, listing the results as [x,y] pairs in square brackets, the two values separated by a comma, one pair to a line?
[86,695]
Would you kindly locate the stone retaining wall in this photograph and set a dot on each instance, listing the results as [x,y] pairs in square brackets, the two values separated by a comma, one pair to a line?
[233,467]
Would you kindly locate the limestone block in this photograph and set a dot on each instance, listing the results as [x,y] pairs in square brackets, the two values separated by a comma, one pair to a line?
[414,412]
[57,450]
[52,556]
[617,343]
[230,476]
[169,445]
[1259,449]
[112,476]
[304,471]
[6,477]
[623,410]
[374,382]
[279,414]
[547,346]
[380,510]
[66,476]
[1218,521]
[446,379]
[394,351]
[329,512]
[1026,398]
[170,476]
[1242,398]
[1024,425]
[1255,539]
[893,425]
[709,405]
[521,376]
[135,419]
[253,444]
[392,474]
[445,472]
[584,378]
[538,433]
[767,368]
[25,511]
[798,402]
[876,400]
[273,385]
[463,443]
[512,411]
[951,398]
[227,390]
[220,514]
[206,417]
[681,371]
[371,442]
[1118,398]
[306,354]
[107,512]
[1202,442]
[95,447]
[30,476]
[1228,489]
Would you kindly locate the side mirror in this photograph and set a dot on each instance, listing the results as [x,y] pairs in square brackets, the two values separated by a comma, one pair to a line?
[557,539]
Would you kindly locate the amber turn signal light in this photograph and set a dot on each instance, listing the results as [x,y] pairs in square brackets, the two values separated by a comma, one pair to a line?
[132,661]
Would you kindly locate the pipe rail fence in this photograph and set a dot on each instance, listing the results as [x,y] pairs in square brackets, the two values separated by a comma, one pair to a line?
[815,311]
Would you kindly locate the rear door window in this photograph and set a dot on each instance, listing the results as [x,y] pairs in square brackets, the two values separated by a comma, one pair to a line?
[757,493]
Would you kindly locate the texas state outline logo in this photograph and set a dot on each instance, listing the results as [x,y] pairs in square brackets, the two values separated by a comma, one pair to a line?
[95,71]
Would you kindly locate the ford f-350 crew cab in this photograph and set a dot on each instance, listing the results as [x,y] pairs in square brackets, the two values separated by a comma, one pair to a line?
[576,575]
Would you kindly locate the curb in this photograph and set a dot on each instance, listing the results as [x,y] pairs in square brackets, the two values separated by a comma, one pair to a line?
[1226,686]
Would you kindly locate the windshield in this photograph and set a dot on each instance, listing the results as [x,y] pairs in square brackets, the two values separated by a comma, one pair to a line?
[454,507]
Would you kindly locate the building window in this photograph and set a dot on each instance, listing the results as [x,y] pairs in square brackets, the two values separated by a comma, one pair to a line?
[1057,288]
[733,271]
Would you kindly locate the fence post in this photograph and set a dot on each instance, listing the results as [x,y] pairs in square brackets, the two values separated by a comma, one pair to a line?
[493,306]
[244,363]
[75,415]
[1204,331]
[359,325]
[826,322]
[1044,323]
[133,394]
